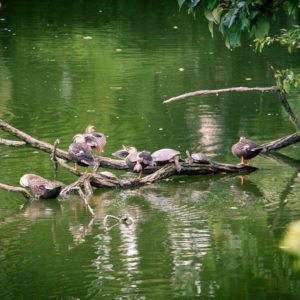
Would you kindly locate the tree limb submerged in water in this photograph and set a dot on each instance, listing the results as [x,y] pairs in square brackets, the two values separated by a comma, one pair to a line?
[155,173]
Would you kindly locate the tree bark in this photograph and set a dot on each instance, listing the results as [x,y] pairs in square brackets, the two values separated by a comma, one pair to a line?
[156,173]
[220,91]
[11,143]
[16,189]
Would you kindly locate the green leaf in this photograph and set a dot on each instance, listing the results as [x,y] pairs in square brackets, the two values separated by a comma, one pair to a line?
[208,15]
[180,3]
[211,28]
[216,13]
[262,28]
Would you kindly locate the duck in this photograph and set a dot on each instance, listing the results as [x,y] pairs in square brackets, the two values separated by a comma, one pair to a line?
[41,188]
[246,149]
[95,139]
[81,152]
[134,159]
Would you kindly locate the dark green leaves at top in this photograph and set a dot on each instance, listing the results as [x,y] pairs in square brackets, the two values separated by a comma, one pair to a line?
[233,17]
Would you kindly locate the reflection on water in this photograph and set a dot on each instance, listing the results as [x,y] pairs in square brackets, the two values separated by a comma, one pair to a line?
[209,236]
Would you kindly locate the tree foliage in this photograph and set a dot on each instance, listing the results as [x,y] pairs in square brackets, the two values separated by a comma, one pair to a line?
[235,17]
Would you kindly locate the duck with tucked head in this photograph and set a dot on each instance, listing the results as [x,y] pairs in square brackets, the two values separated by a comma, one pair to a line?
[246,149]
[80,152]
[40,187]
[136,161]
[95,139]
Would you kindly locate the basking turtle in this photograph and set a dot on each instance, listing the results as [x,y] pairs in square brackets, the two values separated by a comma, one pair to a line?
[40,187]
[197,158]
[108,175]
[246,149]
[94,139]
[166,155]
[80,152]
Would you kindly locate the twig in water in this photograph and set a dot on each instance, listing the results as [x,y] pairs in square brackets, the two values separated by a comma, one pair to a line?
[21,190]
[11,143]
[53,156]
[127,220]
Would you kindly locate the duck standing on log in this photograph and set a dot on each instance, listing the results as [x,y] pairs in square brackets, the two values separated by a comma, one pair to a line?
[246,149]
[95,139]
[80,152]
[40,187]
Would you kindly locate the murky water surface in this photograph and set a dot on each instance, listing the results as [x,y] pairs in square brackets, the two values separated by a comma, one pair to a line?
[111,64]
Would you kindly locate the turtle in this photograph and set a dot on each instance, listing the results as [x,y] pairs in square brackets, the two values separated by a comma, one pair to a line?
[41,188]
[108,175]
[197,158]
[165,155]
[246,149]
[80,152]
[94,139]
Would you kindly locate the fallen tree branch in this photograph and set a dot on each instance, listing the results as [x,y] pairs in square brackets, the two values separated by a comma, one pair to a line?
[44,146]
[15,189]
[82,182]
[101,181]
[281,142]
[11,143]
[156,173]
[220,91]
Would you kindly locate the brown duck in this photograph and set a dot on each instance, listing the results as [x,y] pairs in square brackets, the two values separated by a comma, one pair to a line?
[246,149]
[80,152]
[95,139]
[40,187]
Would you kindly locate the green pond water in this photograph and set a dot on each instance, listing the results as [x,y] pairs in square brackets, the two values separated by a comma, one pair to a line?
[64,65]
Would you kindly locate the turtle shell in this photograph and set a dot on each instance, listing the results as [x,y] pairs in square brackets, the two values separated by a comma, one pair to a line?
[200,158]
[164,155]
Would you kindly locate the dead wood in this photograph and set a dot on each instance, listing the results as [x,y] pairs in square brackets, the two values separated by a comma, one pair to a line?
[281,142]
[16,189]
[155,173]
[11,143]
[82,183]
[44,146]
[220,91]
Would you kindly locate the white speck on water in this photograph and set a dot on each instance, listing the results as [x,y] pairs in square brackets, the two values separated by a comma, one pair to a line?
[119,50]
[181,69]
[248,78]
[175,27]
[116,87]
[160,129]
[87,37]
